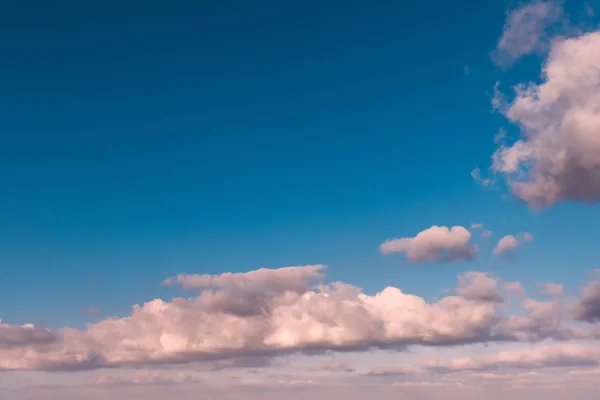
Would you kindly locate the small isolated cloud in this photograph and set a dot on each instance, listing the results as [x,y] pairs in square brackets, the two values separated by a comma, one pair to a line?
[508,244]
[435,244]
[486,234]
[558,157]
[551,289]
[525,31]
[294,279]
[476,226]
[480,179]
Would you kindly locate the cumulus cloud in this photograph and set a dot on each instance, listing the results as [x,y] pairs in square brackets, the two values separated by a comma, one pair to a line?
[508,244]
[551,289]
[525,31]
[588,307]
[207,327]
[435,244]
[23,335]
[478,286]
[558,157]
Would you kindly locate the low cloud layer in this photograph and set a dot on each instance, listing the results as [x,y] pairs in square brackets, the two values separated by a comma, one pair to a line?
[550,356]
[435,244]
[269,312]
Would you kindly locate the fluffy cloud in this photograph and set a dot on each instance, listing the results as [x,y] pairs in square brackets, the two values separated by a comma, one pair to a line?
[435,244]
[508,244]
[525,31]
[558,157]
[478,286]
[23,335]
[209,327]
[588,307]
[267,313]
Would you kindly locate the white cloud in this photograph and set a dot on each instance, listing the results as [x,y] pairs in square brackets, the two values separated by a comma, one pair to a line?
[508,244]
[558,157]
[525,31]
[208,327]
[435,244]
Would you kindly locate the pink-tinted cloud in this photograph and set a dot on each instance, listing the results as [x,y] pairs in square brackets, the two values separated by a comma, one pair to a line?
[435,244]
[558,157]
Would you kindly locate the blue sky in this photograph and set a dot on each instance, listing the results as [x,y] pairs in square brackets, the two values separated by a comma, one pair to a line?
[140,142]
[143,140]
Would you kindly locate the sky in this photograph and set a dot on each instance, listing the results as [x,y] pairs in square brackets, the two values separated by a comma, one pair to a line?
[302,199]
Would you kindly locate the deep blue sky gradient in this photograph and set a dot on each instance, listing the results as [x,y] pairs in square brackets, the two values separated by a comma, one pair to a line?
[143,139]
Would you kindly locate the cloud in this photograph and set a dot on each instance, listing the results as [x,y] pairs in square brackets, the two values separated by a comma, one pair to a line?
[476,226]
[427,385]
[486,234]
[144,377]
[551,289]
[480,179]
[478,286]
[515,288]
[508,244]
[525,31]
[208,328]
[391,371]
[295,279]
[558,157]
[550,356]
[23,335]
[588,307]
[435,244]
[334,366]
